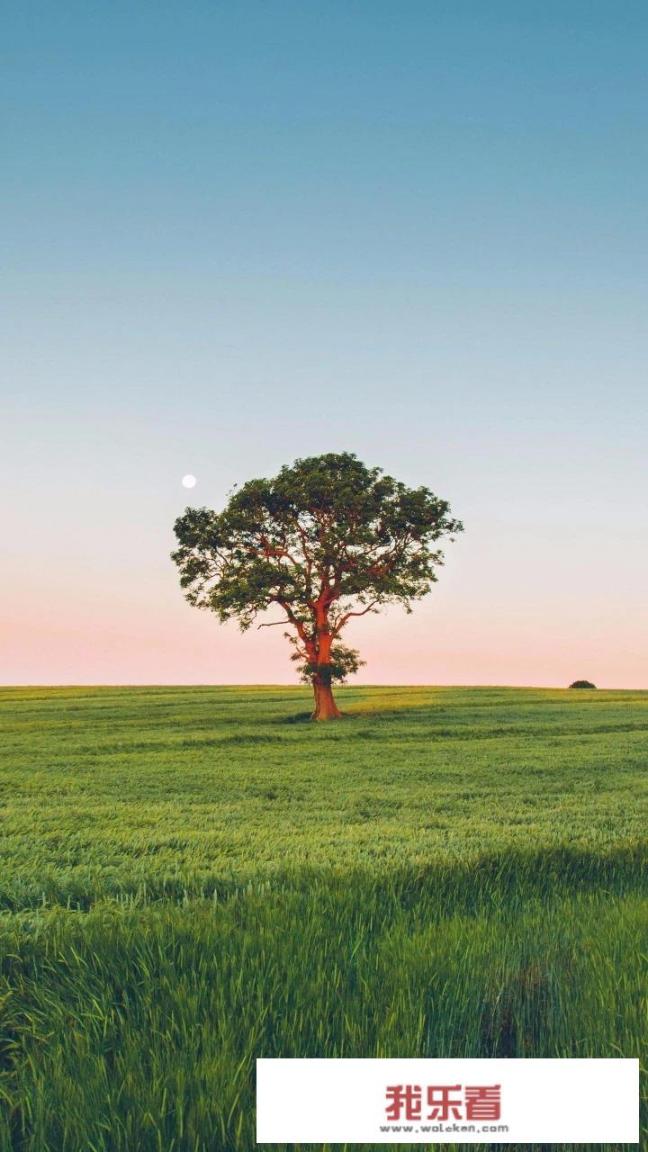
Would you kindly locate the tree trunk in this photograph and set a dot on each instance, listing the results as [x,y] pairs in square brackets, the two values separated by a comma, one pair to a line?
[325,706]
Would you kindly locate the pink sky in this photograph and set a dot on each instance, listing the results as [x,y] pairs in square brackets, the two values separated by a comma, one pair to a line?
[88,626]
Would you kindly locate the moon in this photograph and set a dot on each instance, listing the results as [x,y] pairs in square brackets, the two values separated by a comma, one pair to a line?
[189,481]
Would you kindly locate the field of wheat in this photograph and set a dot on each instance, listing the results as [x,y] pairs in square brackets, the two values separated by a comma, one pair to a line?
[194,877]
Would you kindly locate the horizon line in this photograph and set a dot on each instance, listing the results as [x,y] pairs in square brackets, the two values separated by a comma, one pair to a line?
[306,687]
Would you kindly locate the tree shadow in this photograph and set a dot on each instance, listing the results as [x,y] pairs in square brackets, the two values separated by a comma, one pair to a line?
[307,718]
[294,718]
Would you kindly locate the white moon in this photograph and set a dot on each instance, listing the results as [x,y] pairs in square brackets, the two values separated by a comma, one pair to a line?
[189,481]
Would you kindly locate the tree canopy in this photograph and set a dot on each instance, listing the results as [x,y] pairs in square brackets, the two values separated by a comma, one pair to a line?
[325,541]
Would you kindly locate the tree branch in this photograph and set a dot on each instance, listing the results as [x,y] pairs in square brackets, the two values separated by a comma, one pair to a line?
[347,616]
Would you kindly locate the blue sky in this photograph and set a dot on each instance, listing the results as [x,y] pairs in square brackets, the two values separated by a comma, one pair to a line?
[237,234]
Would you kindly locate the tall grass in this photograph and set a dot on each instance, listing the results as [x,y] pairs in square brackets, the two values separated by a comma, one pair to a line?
[137,1028]
[184,912]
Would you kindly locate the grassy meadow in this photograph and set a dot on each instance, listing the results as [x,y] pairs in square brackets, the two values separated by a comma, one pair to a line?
[194,877]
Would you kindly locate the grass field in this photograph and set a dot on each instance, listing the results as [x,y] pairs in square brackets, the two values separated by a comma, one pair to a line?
[194,877]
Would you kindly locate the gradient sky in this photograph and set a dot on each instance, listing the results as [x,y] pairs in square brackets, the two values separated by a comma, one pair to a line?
[238,233]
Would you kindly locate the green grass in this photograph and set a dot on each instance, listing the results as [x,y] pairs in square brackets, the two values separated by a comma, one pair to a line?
[193,877]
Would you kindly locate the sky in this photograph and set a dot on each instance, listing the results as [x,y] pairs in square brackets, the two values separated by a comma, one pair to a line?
[234,234]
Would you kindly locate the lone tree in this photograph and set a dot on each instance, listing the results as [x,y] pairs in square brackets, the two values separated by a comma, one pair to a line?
[326,540]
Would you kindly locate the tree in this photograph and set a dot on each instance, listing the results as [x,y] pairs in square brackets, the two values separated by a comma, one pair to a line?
[325,541]
[582,684]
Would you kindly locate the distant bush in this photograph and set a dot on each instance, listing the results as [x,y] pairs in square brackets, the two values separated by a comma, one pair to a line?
[582,684]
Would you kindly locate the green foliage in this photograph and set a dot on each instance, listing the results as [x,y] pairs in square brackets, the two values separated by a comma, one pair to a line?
[325,541]
[344,662]
[190,879]
[582,684]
